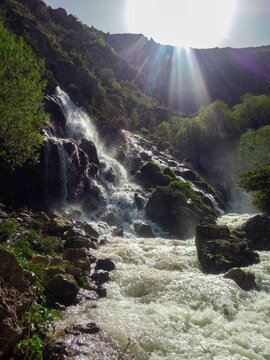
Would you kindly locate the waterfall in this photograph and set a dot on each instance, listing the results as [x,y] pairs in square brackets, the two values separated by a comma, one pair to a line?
[117,195]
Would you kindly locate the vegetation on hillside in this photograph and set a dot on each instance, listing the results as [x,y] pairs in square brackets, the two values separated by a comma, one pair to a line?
[21,100]
[254,146]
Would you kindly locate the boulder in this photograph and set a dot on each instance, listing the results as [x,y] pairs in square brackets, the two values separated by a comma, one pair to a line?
[244,279]
[257,230]
[110,218]
[76,254]
[173,213]
[90,149]
[218,250]
[143,230]
[105,264]
[74,271]
[49,273]
[100,277]
[139,200]
[80,242]
[63,288]
[90,231]
[83,265]
[59,225]
[118,232]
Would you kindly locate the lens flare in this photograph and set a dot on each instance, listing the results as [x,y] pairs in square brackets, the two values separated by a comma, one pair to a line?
[189,23]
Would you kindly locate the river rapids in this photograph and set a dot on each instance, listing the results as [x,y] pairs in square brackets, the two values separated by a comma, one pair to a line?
[160,305]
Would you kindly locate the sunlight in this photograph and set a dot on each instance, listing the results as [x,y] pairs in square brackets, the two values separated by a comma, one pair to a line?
[189,23]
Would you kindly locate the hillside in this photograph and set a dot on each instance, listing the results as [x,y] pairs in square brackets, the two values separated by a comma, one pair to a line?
[188,78]
[78,58]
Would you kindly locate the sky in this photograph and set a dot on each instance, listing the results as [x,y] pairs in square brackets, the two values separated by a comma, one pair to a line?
[188,23]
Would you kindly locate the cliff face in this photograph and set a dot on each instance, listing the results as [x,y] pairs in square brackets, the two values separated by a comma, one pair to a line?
[189,78]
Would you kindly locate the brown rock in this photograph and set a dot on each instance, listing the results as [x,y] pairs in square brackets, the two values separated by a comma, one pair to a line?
[244,279]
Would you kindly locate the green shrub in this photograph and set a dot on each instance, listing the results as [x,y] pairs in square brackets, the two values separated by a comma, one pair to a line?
[42,243]
[23,245]
[7,228]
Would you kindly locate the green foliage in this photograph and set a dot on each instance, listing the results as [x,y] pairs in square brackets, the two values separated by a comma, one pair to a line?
[31,348]
[7,228]
[42,243]
[257,181]
[168,171]
[254,145]
[21,100]
[40,319]
[185,188]
[23,246]
[83,282]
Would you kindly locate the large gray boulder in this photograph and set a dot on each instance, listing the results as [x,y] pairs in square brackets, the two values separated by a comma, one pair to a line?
[218,250]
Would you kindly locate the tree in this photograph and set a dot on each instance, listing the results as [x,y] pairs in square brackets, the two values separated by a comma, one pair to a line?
[254,146]
[21,100]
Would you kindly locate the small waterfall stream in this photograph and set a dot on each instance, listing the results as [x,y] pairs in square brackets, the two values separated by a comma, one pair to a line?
[159,302]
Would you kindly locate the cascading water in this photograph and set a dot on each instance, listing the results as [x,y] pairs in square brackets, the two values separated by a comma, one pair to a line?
[118,196]
[159,302]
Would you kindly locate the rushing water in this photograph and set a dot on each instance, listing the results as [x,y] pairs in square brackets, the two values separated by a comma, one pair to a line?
[159,302]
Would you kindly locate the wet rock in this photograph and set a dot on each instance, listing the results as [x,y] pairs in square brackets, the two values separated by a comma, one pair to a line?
[135,164]
[105,264]
[244,279]
[173,213]
[218,254]
[84,265]
[74,271]
[64,288]
[118,232]
[90,328]
[75,232]
[100,277]
[51,272]
[59,224]
[79,243]
[257,230]
[145,156]
[109,175]
[90,149]
[90,231]
[139,200]
[110,218]
[101,292]
[76,254]
[143,230]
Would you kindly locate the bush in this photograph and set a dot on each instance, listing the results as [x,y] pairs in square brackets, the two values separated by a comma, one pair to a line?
[24,247]
[42,243]
[7,228]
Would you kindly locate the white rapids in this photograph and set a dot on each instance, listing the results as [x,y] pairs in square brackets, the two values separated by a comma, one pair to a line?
[169,309]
